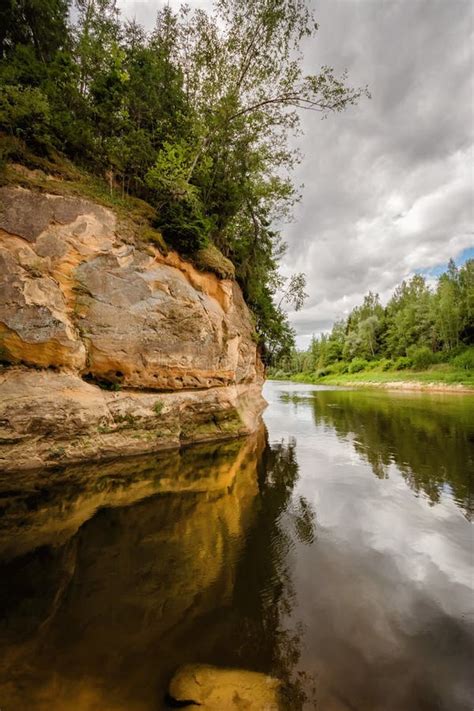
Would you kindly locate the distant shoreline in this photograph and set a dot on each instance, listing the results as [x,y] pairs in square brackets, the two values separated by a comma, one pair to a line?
[404,385]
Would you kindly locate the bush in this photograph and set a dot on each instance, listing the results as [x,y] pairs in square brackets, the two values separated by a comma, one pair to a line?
[386,364]
[184,227]
[211,259]
[402,363]
[440,357]
[464,361]
[358,364]
[445,356]
[421,357]
[321,372]
[25,113]
[339,367]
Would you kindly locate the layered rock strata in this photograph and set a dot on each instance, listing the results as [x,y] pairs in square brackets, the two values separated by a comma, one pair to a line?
[84,305]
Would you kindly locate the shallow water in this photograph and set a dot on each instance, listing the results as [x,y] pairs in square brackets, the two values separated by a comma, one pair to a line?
[334,551]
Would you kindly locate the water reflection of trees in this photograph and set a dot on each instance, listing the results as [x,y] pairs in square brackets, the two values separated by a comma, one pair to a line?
[264,596]
[430,439]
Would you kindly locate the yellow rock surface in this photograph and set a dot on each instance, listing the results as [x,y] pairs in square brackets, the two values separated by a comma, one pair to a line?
[77,295]
[82,299]
[215,689]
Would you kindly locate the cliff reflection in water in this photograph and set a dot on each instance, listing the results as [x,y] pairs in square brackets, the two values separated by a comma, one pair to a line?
[289,558]
[430,438]
[112,601]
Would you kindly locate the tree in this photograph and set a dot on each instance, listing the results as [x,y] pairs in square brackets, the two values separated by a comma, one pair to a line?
[294,291]
[448,307]
[242,74]
[409,317]
[195,118]
[364,327]
[40,24]
[466,285]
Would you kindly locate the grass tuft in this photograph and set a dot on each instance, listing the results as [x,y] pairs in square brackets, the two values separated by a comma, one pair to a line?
[211,259]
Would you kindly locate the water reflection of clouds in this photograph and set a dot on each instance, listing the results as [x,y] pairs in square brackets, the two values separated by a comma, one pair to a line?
[373,638]
[388,584]
[386,515]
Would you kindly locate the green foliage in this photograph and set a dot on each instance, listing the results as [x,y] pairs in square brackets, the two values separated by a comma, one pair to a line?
[158,407]
[357,364]
[42,25]
[454,314]
[421,357]
[402,363]
[211,259]
[465,360]
[195,118]
[419,328]
[339,367]
[363,329]
[409,317]
[148,234]
[294,291]
[25,113]
[184,226]
[170,174]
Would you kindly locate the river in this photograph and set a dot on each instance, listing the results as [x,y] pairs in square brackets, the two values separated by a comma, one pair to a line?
[334,549]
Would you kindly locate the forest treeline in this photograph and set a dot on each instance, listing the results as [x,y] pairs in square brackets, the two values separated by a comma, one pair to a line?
[419,327]
[193,117]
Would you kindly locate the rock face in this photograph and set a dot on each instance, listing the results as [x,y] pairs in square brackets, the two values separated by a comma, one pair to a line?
[82,300]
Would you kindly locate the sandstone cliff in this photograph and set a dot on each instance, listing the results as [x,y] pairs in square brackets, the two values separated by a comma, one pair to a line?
[85,305]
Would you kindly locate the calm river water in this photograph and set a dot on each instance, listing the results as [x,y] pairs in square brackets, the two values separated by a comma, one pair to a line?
[333,550]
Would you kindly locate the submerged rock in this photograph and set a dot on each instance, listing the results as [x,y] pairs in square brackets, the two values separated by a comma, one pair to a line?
[214,689]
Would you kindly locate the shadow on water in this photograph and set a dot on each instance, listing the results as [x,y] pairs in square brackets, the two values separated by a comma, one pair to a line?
[430,438]
[115,575]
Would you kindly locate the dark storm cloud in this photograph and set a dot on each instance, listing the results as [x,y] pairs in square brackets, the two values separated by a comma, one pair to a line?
[388,184]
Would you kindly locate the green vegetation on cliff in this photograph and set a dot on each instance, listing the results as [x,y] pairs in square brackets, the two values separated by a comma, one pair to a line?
[193,118]
[422,334]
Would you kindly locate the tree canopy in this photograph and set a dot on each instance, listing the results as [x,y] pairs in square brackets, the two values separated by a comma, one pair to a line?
[194,117]
[418,327]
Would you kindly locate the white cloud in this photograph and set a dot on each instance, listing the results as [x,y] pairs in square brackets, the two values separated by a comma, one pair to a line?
[144,11]
[389,183]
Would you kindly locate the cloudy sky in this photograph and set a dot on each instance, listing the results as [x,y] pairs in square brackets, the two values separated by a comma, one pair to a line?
[388,184]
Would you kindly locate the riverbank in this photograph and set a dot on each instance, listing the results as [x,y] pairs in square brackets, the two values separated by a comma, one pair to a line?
[440,378]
